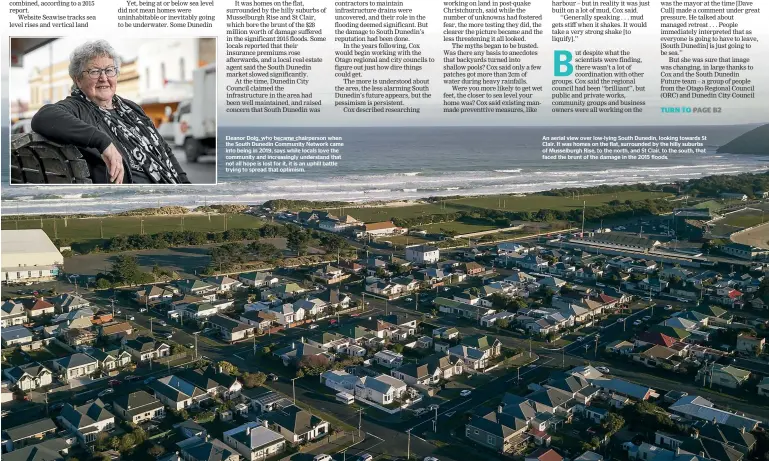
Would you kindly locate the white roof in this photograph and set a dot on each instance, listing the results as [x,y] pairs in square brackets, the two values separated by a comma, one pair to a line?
[698,407]
[27,248]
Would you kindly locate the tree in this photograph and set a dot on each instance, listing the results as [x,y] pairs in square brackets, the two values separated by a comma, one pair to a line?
[156,450]
[139,435]
[125,268]
[102,441]
[228,368]
[297,240]
[398,348]
[251,380]
[127,442]
[613,423]
[503,323]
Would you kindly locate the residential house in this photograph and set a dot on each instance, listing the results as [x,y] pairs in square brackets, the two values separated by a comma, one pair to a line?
[153,294]
[694,407]
[423,254]
[389,290]
[658,356]
[31,433]
[29,376]
[432,276]
[330,275]
[750,344]
[111,359]
[267,400]
[340,381]
[53,449]
[67,302]
[296,351]
[490,320]
[313,307]
[379,229]
[616,386]
[712,449]
[382,389]
[138,406]
[498,431]
[285,291]
[335,300]
[212,382]
[87,421]
[258,279]
[262,320]
[544,454]
[724,375]
[75,366]
[429,371]
[462,309]
[286,314]
[197,449]
[388,359]
[197,288]
[620,347]
[143,348]
[189,428]
[255,442]
[328,341]
[12,313]
[224,284]
[115,330]
[15,335]
[446,333]
[297,425]
[743,441]
[38,306]
[553,400]
[230,329]
[198,311]
[177,393]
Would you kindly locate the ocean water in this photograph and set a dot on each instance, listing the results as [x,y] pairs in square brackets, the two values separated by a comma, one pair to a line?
[406,163]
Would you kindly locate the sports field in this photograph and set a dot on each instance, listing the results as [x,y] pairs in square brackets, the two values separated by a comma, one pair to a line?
[747,217]
[81,229]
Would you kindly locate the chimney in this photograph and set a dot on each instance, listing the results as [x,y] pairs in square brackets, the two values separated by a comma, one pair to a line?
[264,423]
[293,345]
[248,429]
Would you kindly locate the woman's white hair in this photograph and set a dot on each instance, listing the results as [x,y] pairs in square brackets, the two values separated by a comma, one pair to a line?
[83,54]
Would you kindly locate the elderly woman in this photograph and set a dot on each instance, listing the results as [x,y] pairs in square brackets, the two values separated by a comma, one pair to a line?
[118,140]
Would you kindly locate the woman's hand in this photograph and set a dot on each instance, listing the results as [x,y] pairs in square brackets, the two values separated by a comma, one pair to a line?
[114,161]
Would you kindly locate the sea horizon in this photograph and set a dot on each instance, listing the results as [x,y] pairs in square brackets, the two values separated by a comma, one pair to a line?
[399,164]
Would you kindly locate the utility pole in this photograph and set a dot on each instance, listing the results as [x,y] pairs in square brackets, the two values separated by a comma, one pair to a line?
[529,345]
[416,302]
[360,421]
[595,353]
[386,299]
[435,421]
[151,325]
[196,346]
[293,391]
[583,218]
[408,445]
[101,228]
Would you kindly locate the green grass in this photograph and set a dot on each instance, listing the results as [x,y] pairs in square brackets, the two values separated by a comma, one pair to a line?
[747,218]
[539,202]
[41,355]
[459,227]
[377,214]
[80,229]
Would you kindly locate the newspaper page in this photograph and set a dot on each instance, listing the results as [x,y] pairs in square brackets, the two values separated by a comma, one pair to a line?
[385,229]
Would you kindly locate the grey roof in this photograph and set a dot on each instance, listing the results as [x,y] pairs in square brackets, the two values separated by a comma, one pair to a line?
[85,415]
[175,388]
[142,343]
[47,450]
[30,429]
[382,383]
[499,424]
[33,369]
[518,406]
[137,402]
[698,407]
[69,300]
[214,450]
[15,332]
[620,386]
[551,397]
[229,323]
[75,360]
[726,434]
[294,419]
[257,437]
[12,308]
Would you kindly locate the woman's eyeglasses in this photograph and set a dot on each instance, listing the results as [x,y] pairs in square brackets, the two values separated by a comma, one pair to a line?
[109,72]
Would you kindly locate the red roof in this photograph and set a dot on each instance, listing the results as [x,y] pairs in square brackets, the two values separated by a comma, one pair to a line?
[656,338]
[606,299]
[735,294]
[545,454]
[380,225]
[39,303]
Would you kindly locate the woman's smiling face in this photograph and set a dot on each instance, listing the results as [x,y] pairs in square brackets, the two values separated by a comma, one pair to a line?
[99,90]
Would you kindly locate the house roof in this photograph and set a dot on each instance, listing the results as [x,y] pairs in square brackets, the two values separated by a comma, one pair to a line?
[379,225]
[726,434]
[297,350]
[620,386]
[47,450]
[229,323]
[499,424]
[673,332]
[137,402]
[77,359]
[518,406]
[175,388]
[660,339]
[85,415]
[701,408]
[737,373]
[116,328]
[10,308]
[659,352]
[545,454]
[69,300]
[713,449]
[30,429]
[551,397]
[143,343]
[254,436]
[213,450]
[15,332]
[383,383]
[294,419]
[33,369]
[34,304]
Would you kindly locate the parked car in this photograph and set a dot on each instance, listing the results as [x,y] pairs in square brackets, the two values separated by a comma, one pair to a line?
[114,382]
[162,323]
[130,378]
[168,335]
[313,326]
[408,300]
[106,392]
[191,346]
[603,370]
[149,380]
[142,309]
[430,458]
[131,318]
[647,318]
[322,457]
[272,377]
[365,457]
[637,322]
[465,392]
[669,307]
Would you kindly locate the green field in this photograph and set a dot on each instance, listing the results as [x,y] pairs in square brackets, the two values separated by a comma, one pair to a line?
[542,202]
[377,214]
[81,229]
[745,218]
[459,227]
